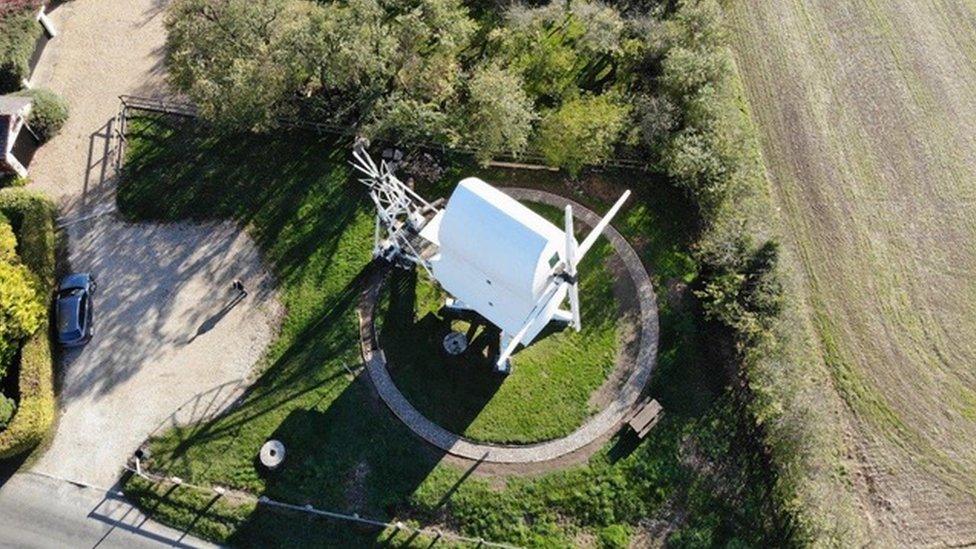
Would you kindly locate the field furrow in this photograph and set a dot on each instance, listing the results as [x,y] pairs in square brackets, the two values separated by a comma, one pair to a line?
[867,111]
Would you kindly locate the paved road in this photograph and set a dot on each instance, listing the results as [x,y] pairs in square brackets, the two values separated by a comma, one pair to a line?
[36,511]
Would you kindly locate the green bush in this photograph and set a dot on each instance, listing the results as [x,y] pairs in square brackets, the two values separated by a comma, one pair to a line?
[32,216]
[18,34]
[35,414]
[615,536]
[49,113]
[21,310]
[7,409]
[582,132]
[8,241]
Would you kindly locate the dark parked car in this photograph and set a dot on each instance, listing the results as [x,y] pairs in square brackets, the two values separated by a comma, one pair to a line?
[74,309]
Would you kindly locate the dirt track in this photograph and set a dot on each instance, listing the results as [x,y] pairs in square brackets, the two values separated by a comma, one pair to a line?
[867,111]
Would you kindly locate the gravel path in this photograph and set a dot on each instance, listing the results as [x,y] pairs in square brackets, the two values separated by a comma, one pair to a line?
[168,328]
[595,428]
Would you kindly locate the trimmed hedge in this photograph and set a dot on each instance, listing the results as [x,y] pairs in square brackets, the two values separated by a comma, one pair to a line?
[18,35]
[32,216]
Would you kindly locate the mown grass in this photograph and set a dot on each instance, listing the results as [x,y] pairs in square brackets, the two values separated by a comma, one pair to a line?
[698,470]
[548,393]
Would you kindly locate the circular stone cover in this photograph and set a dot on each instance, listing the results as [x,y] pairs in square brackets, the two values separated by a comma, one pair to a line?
[455,343]
[272,454]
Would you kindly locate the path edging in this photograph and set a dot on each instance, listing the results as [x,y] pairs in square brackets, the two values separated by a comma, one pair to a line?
[594,428]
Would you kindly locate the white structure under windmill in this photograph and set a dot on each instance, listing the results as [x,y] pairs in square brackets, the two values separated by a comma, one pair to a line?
[492,254]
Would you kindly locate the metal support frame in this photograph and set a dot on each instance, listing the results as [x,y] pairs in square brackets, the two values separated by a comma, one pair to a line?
[400,212]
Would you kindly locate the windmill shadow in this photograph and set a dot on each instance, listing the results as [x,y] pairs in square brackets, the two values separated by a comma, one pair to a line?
[450,390]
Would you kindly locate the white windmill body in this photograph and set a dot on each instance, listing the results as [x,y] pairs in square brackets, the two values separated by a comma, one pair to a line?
[492,254]
[496,256]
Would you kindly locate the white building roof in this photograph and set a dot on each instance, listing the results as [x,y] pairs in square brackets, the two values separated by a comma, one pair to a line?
[495,254]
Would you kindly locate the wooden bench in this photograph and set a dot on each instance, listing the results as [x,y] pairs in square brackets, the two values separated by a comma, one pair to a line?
[645,418]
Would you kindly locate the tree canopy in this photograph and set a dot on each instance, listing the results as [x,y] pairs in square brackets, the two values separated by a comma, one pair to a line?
[576,81]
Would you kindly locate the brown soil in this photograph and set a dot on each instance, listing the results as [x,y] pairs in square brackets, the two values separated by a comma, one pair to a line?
[867,114]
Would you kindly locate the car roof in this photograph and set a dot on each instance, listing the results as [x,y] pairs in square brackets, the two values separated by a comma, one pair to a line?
[74,280]
[68,313]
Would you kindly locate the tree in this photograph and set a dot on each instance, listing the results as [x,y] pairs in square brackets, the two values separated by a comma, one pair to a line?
[697,24]
[236,59]
[21,309]
[741,287]
[583,131]
[406,120]
[603,26]
[692,159]
[430,37]
[685,71]
[500,114]
[657,118]
[538,44]
[350,53]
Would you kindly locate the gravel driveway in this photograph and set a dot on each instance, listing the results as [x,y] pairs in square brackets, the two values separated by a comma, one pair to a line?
[168,330]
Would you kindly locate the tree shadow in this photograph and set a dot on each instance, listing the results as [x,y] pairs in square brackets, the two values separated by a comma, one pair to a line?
[183,170]
[10,466]
[345,451]
[119,514]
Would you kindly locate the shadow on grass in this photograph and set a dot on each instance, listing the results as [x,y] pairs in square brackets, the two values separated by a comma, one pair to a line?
[290,190]
[345,451]
[451,390]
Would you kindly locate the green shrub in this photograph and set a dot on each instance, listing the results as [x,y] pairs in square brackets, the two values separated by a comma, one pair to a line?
[35,414]
[18,34]
[21,310]
[615,536]
[32,216]
[582,132]
[49,113]
[8,241]
[7,409]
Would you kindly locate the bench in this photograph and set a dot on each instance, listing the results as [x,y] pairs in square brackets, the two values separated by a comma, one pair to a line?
[645,418]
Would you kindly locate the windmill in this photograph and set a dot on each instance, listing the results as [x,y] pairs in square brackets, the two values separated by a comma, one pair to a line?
[492,254]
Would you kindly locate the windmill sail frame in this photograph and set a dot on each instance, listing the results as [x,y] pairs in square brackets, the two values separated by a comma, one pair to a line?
[492,254]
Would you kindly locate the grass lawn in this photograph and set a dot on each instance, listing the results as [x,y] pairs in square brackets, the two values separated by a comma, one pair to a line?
[547,395]
[695,480]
